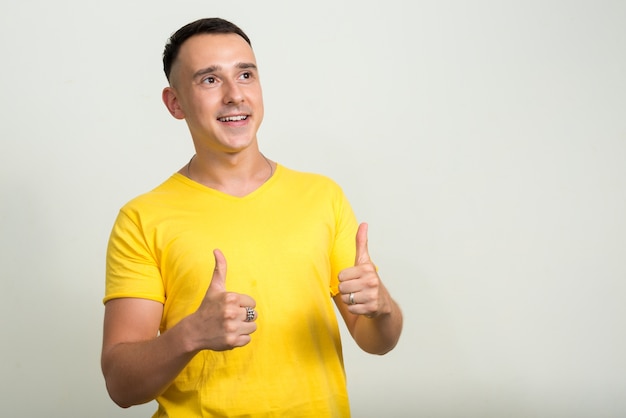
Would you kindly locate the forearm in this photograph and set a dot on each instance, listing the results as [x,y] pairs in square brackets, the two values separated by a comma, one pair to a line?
[137,372]
[380,334]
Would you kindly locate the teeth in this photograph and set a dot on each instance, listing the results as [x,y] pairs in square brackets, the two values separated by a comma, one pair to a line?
[233,118]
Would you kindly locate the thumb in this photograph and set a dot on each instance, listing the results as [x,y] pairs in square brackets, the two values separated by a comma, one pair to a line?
[218,281]
[362,253]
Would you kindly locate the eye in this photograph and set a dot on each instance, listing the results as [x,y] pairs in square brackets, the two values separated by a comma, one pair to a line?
[208,80]
[246,76]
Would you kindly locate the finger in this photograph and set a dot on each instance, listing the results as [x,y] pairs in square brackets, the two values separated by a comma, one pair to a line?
[218,281]
[248,304]
[245,300]
[362,253]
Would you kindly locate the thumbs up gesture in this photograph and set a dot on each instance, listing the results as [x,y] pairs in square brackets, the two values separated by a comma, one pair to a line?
[224,319]
[360,286]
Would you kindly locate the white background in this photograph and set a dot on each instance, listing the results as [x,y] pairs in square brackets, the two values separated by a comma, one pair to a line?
[484,142]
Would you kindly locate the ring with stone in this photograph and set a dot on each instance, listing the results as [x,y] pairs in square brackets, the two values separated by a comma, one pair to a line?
[250,314]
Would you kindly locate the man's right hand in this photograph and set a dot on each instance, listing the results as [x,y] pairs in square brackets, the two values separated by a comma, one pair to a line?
[222,321]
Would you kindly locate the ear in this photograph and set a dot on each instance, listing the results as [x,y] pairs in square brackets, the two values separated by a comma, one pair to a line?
[170,99]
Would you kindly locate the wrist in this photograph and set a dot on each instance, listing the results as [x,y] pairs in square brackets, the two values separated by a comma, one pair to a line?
[185,335]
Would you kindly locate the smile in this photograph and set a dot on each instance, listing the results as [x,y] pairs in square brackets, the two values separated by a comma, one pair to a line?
[233,118]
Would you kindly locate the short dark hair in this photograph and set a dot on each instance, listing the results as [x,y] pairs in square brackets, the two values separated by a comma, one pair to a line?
[199,27]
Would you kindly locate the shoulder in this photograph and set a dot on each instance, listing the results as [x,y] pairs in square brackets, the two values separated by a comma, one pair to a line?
[169,190]
[308,179]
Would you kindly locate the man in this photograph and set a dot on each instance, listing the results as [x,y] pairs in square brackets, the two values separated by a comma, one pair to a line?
[249,329]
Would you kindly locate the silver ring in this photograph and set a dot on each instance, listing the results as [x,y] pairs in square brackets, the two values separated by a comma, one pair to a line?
[249,314]
[351,299]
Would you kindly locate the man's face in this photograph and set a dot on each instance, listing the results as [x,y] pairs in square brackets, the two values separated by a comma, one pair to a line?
[215,87]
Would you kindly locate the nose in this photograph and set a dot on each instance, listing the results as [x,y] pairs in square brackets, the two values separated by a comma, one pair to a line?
[232,92]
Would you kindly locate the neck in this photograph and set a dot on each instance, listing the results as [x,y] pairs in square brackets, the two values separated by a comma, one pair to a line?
[235,175]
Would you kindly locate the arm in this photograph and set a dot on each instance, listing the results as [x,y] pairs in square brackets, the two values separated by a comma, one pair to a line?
[138,364]
[372,317]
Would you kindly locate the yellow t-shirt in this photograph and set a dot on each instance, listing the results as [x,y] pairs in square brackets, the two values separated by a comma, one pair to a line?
[284,245]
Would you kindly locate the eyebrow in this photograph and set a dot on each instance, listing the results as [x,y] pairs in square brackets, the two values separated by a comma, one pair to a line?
[215,68]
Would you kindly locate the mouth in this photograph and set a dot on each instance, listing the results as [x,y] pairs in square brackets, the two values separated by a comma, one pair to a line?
[237,118]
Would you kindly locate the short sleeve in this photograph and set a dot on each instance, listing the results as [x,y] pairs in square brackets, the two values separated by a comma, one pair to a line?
[131,267]
[344,246]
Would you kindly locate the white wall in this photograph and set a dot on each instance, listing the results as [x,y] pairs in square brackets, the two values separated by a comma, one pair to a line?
[484,142]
